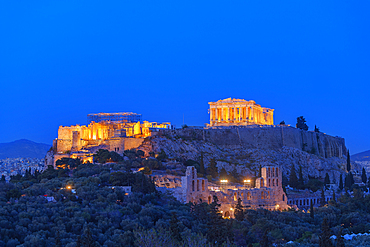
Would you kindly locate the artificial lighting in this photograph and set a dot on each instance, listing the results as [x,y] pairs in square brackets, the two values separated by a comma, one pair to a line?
[69,187]
[223,181]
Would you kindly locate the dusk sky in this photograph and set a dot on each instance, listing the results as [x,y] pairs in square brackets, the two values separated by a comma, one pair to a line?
[61,60]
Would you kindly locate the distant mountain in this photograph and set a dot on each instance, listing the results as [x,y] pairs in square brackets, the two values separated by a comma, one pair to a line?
[363,156]
[23,148]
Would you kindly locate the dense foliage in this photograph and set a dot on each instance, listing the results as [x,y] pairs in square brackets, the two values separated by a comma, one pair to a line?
[86,206]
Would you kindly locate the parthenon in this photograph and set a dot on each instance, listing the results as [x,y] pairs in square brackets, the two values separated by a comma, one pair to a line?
[236,112]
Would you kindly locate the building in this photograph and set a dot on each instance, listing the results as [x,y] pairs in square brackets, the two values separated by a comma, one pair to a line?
[117,134]
[239,112]
[268,192]
[127,117]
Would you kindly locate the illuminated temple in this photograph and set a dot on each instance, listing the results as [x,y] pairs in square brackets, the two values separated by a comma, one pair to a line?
[239,112]
[112,131]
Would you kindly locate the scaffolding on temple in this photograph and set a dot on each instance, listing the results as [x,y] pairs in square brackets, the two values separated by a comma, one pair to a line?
[126,117]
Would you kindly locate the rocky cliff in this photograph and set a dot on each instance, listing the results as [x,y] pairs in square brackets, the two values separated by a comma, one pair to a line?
[244,149]
[269,137]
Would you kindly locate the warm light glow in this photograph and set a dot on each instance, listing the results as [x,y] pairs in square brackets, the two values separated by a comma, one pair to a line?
[221,212]
[69,187]
[231,112]
[223,181]
[247,181]
[231,209]
[141,169]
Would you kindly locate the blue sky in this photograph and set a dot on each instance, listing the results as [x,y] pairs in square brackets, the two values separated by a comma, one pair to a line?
[60,60]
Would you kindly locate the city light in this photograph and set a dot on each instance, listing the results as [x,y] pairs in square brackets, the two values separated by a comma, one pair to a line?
[223,181]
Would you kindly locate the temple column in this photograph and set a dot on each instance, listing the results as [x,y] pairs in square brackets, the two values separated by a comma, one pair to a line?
[211,116]
[235,116]
[216,115]
[222,114]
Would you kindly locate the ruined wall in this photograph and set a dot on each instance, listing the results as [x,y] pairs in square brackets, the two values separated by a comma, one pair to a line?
[272,137]
[131,143]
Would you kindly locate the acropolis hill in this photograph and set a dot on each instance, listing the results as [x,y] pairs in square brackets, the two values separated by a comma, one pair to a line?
[237,128]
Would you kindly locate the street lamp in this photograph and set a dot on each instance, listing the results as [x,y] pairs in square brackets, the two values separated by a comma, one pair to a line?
[223,182]
[247,183]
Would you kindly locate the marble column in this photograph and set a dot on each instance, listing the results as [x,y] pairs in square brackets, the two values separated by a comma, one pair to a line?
[210,115]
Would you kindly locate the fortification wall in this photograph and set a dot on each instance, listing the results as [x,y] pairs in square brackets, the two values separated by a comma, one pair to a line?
[268,137]
[131,143]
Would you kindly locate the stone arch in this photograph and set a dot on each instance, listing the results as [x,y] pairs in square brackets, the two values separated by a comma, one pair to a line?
[268,172]
[209,199]
[273,182]
[242,195]
[227,214]
[273,172]
[276,171]
[283,197]
[262,195]
[277,182]
[235,196]
[197,185]
[249,196]
[193,185]
[203,185]
[269,182]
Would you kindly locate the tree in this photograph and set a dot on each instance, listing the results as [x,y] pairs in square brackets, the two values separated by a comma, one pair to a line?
[326,180]
[340,239]
[301,123]
[325,240]
[322,199]
[147,171]
[201,164]
[349,181]
[265,240]
[300,180]
[2,178]
[293,180]
[282,123]
[212,168]
[341,182]
[317,129]
[174,227]
[312,214]
[239,212]
[348,162]
[87,239]
[334,196]
[363,175]
[218,231]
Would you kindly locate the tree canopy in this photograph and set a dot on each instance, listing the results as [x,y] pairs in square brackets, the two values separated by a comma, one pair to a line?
[301,123]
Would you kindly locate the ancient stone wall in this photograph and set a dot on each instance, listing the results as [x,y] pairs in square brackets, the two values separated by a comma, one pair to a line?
[131,143]
[268,137]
